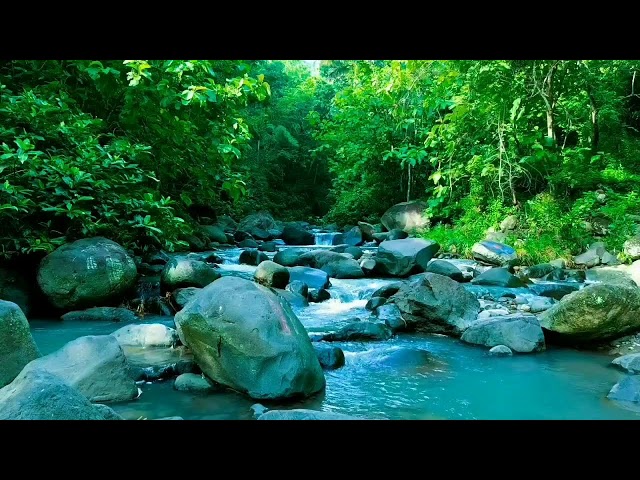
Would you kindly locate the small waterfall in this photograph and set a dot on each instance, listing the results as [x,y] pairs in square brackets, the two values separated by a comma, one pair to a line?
[328,238]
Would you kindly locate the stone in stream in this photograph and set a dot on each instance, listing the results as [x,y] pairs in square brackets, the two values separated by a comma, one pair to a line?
[181,296]
[436,304]
[360,331]
[355,252]
[597,313]
[500,351]
[494,253]
[375,302]
[289,257]
[521,333]
[226,223]
[87,272]
[610,275]
[293,235]
[406,216]
[404,357]
[36,394]
[538,271]
[248,243]
[626,390]
[540,304]
[329,356]
[304,414]
[191,382]
[101,314]
[15,288]
[146,335]
[271,274]
[239,236]
[558,263]
[448,269]
[353,237]
[318,295]
[246,337]
[368,265]
[298,287]
[556,291]
[367,230]
[252,257]
[401,258]
[387,291]
[17,347]
[498,277]
[214,233]
[294,299]
[313,277]
[629,363]
[258,225]
[95,365]
[183,272]
[333,264]
[591,257]
[391,316]
[268,247]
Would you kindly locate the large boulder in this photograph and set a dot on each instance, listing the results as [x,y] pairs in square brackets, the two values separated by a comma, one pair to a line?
[294,299]
[299,287]
[40,395]
[248,243]
[404,257]
[611,275]
[304,414]
[100,314]
[214,233]
[293,235]
[193,382]
[353,237]
[597,313]
[95,365]
[521,333]
[626,390]
[448,269]
[86,273]
[629,363]
[313,277]
[632,247]
[146,335]
[227,224]
[270,274]
[258,225]
[184,272]
[334,264]
[289,257]
[435,303]
[494,253]
[252,257]
[406,216]
[14,288]
[498,277]
[17,347]
[246,337]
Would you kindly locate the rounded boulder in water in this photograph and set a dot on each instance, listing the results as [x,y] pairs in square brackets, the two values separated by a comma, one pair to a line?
[246,337]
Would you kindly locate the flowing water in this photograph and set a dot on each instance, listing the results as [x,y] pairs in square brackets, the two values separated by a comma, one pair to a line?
[408,377]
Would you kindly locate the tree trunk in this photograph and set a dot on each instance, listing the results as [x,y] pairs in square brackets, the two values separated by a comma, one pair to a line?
[595,139]
[551,103]
[409,182]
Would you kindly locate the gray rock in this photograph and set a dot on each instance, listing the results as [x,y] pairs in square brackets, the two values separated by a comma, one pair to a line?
[191,382]
[354,251]
[101,314]
[87,272]
[626,390]
[40,395]
[248,243]
[245,336]
[375,302]
[403,257]
[588,259]
[498,277]
[183,272]
[252,257]
[497,237]
[368,265]
[146,335]
[289,257]
[293,235]
[107,412]
[258,224]
[610,275]
[268,247]
[609,259]
[353,237]
[313,277]
[182,296]
[597,313]
[318,295]
[17,347]
[271,274]
[214,233]
[94,365]
[298,287]
[538,271]
[494,253]
[632,247]
[334,264]
[448,269]
[258,409]
[629,363]
[388,290]
[436,304]
[367,230]
[558,263]
[360,331]
[500,351]
[518,332]
[329,356]
[540,304]
[509,223]
[227,223]
[303,414]
[294,299]
[406,216]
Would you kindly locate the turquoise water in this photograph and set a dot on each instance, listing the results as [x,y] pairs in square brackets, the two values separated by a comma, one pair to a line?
[457,381]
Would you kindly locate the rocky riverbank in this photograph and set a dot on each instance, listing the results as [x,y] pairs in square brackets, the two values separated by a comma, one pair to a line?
[240,329]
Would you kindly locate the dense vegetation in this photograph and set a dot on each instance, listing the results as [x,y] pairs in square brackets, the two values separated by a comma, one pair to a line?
[139,151]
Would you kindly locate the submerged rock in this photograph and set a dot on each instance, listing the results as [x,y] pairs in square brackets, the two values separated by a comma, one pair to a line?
[436,304]
[191,382]
[101,314]
[36,394]
[246,337]
[95,365]
[500,351]
[521,333]
[360,331]
[304,414]
[87,272]
[17,347]
[597,313]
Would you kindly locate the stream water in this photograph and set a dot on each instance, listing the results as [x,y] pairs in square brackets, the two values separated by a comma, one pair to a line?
[452,381]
